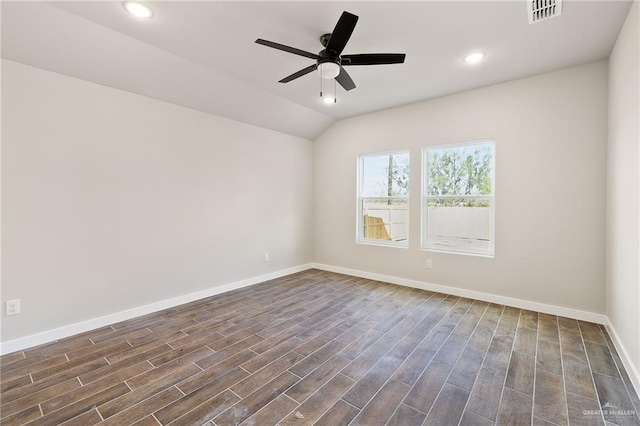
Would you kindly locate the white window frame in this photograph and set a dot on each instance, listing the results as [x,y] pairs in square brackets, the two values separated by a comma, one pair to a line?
[360,239]
[424,201]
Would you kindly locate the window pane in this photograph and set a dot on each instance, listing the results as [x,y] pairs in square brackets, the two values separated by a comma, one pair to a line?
[458,198]
[383,198]
[385,219]
[461,224]
[460,170]
[385,175]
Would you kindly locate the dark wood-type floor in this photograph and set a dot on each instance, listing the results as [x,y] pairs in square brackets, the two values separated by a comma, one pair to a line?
[325,349]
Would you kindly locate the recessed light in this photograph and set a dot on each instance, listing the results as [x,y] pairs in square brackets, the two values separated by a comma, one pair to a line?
[138,9]
[474,58]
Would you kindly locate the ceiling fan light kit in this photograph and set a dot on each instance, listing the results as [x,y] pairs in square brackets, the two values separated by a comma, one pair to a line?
[328,70]
[330,62]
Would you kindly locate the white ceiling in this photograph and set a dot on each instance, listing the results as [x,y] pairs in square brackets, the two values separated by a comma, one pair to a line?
[202,54]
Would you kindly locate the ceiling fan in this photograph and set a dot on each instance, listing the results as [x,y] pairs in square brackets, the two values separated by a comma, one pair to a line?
[330,61]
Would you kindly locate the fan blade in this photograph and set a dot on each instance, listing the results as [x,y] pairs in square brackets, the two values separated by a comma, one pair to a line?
[341,34]
[287,48]
[373,59]
[345,80]
[298,74]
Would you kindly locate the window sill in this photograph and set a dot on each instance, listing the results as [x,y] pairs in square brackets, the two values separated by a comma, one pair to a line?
[383,244]
[460,252]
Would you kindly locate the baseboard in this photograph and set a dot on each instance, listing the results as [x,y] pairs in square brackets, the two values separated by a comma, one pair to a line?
[487,297]
[80,327]
[624,356]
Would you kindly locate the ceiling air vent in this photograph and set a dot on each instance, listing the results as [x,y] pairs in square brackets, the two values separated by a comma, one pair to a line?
[539,10]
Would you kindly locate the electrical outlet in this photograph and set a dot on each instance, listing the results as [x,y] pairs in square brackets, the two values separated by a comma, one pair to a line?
[266,257]
[13,307]
[429,264]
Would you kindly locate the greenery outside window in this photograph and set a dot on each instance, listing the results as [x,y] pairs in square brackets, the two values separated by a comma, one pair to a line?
[458,198]
[383,199]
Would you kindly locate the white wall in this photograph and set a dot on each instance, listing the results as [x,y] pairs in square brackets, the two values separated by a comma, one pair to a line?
[550,133]
[112,200]
[623,189]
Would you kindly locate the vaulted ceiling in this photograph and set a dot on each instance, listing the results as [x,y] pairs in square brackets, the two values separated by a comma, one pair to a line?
[202,54]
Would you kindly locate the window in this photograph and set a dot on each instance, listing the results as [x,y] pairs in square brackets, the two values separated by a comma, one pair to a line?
[383,199]
[458,198]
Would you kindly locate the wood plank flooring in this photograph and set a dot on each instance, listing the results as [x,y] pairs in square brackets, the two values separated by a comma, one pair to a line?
[325,349]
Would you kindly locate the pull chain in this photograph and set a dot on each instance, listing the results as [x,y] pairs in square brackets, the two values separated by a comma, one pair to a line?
[335,93]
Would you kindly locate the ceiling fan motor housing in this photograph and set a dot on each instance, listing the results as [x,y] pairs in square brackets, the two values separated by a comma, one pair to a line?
[324,39]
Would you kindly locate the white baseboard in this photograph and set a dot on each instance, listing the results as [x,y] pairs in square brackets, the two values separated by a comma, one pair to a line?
[81,327]
[471,294]
[72,329]
[624,356]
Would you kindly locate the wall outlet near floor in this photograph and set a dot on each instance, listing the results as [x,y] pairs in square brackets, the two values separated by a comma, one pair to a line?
[429,264]
[13,307]
[266,257]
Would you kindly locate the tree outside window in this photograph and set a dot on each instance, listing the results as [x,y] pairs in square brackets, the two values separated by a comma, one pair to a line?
[459,198]
[383,198]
